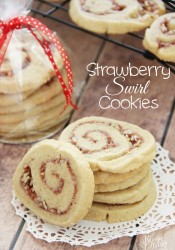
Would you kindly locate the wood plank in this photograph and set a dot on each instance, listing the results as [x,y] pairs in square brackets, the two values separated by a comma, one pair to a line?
[159,240]
[10,155]
[27,242]
[9,222]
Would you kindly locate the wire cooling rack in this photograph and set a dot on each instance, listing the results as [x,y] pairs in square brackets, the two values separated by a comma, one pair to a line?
[170,3]
[53,7]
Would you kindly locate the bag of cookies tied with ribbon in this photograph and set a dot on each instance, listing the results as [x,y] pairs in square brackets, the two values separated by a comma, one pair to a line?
[36,79]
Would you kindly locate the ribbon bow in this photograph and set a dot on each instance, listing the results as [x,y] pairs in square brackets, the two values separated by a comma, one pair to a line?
[6,31]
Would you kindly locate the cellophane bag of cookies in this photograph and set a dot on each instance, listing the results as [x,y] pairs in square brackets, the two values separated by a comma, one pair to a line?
[34,102]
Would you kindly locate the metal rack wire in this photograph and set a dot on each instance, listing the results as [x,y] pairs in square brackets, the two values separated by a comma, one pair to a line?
[53,7]
[170,3]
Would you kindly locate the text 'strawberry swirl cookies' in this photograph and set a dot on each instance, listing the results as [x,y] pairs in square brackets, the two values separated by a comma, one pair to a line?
[51,181]
[110,145]
[160,37]
[115,16]
[117,213]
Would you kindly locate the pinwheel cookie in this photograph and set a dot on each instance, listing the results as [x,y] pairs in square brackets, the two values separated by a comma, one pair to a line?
[128,195]
[114,181]
[110,145]
[55,182]
[160,37]
[30,111]
[15,103]
[108,177]
[115,16]
[117,213]
[11,99]
[32,69]
[38,123]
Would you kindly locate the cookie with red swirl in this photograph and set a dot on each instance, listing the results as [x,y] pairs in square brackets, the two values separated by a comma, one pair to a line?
[110,145]
[114,183]
[108,177]
[31,70]
[13,99]
[115,16]
[126,212]
[128,195]
[160,37]
[31,110]
[15,103]
[51,181]
[37,123]
[26,133]
[43,99]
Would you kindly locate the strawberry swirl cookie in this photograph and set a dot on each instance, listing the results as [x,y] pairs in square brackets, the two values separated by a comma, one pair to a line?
[120,155]
[111,145]
[50,181]
[160,37]
[122,212]
[115,16]
[32,69]
[109,182]
[129,195]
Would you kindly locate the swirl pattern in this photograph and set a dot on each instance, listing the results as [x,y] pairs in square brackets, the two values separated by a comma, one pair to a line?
[7,71]
[115,16]
[111,145]
[51,185]
[101,8]
[28,185]
[17,75]
[160,37]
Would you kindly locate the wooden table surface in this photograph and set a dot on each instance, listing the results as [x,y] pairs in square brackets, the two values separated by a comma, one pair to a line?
[161,122]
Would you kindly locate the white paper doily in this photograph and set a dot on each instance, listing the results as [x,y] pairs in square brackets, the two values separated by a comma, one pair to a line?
[90,233]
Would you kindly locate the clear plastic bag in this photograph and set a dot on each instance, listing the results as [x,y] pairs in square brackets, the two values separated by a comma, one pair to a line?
[32,99]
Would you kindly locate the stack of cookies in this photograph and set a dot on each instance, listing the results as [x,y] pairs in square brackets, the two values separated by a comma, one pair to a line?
[31,97]
[56,179]
[120,156]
